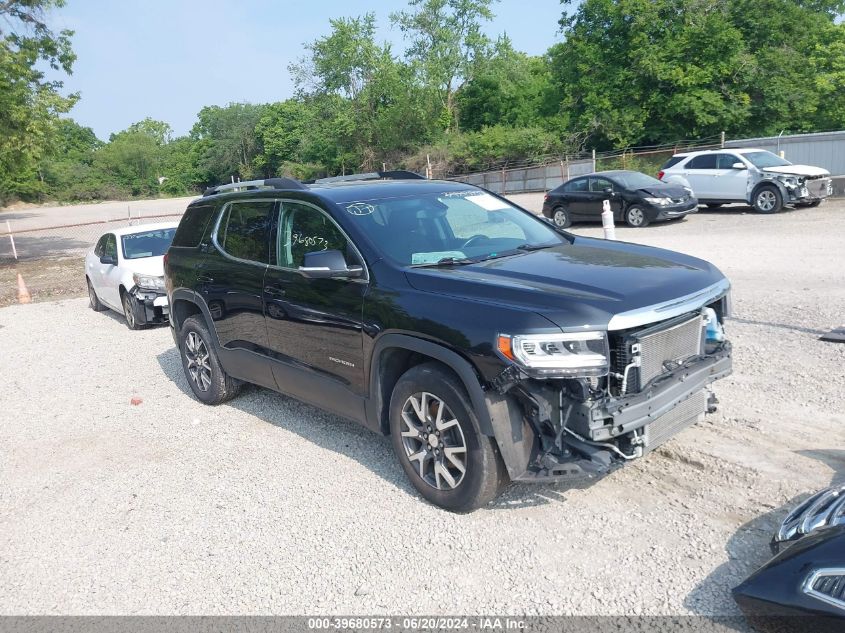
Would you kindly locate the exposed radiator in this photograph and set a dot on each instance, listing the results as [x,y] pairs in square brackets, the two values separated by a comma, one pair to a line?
[674,421]
[662,347]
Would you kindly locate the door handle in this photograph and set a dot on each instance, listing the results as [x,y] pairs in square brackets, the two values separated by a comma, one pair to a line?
[274,291]
[205,279]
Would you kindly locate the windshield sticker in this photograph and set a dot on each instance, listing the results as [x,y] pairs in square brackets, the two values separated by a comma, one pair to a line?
[360,208]
[459,194]
[488,202]
[433,258]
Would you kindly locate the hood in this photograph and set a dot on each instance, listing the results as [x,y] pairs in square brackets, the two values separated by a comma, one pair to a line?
[145,266]
[799,170]
[578,285]
[664,191]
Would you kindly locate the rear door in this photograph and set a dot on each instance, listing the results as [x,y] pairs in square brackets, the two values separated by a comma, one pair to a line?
[230,281]
[577,192]
[314,325]
[92,263]
[701,173]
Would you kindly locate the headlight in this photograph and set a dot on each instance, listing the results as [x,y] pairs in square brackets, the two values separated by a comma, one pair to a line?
[575,355]
[148,282]
[661,202]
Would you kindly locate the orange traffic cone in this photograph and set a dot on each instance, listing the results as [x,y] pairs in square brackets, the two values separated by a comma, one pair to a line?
[23,293]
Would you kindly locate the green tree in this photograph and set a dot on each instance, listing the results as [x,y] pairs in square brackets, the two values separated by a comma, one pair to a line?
[29,103]
[508,88]
[446,43]
[160,131]
[225,142]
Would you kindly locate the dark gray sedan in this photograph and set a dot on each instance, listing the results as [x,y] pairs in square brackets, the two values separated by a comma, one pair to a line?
[635,198]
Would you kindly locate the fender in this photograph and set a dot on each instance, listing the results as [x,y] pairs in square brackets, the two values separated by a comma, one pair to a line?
[454,361]
[777,183]
[183,294]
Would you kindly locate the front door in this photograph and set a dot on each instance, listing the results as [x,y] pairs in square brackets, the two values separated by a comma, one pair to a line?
[598,194]
[109,290]
[314,325]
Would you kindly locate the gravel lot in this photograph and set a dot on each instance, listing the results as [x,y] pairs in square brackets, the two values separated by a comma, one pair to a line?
[269,506]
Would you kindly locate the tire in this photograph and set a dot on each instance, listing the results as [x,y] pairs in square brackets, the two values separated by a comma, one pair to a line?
[715,205]
[128,312]
[433,390]
[767,199]
[93,300]
[561,217]
[636,217]
[210,384]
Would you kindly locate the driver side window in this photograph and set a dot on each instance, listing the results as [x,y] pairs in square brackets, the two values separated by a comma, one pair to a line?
[304,229]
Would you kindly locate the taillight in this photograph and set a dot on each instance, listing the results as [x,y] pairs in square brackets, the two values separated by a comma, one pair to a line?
[660,174]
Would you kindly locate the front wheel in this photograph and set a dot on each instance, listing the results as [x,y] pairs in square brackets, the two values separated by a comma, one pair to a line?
[129,313]
[436,436]
[636,217]
[205,375]
[767,199]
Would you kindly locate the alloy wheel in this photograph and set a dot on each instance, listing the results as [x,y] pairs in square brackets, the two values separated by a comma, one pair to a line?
[128,312]
[434,441]
[766,200]
[199,368]
[635,216]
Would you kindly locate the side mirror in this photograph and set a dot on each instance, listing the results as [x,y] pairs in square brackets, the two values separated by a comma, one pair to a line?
[327,265]
[109,260]
[739,166]
[608,190]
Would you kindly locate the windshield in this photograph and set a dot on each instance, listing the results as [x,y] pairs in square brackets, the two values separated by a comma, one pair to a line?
[763,159]
[453,226]
[636,180]
[147,244]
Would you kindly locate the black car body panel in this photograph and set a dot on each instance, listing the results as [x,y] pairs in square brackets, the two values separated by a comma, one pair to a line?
[586,206]
[791,593]
[342,343]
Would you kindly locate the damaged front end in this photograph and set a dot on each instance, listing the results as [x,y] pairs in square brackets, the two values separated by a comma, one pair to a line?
[800,188]
[654,385]
[150,306]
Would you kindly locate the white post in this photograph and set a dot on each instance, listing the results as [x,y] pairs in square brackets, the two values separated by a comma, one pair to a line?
[11,239]
[428,174]
[129,214]
[594,161]
[607,221]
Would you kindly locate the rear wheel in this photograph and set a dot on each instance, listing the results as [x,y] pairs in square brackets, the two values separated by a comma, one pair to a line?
[93,299]
[636,217]
[205,375]
[561,217]
[767,199]
[436,436]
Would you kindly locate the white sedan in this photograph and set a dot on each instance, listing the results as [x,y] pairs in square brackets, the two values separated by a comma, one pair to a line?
[125,272]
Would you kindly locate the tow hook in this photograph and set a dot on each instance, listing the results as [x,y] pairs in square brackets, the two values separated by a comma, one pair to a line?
[712,401]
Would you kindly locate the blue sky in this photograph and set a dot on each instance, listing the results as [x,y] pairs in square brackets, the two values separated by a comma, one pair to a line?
[169,59]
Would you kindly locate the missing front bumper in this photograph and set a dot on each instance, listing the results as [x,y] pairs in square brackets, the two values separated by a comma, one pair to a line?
[150,307]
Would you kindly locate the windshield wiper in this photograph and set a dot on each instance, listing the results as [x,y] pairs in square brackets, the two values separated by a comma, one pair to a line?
[447,261]
[533,247]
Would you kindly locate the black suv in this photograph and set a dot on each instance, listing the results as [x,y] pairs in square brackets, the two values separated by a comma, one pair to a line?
[489,344]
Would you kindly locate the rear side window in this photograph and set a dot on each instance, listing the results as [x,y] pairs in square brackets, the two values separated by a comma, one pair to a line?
[576,185]
[672,161]
[245,230]
[191,228]
[705,161]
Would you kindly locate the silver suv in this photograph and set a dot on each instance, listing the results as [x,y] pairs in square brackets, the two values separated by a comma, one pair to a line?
[755,176]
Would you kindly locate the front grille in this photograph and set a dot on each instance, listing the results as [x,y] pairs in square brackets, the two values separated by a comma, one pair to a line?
[827,585]
[818,188]
[825,508]
[675,420]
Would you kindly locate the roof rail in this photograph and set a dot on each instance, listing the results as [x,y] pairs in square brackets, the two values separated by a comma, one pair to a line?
[269,183]
[399,174]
